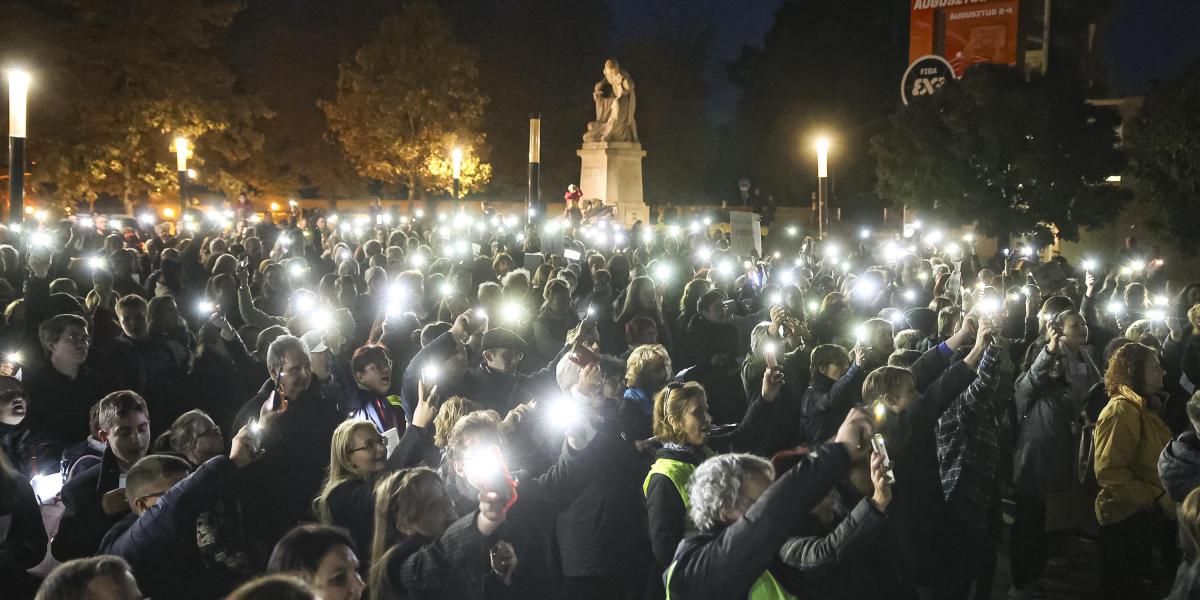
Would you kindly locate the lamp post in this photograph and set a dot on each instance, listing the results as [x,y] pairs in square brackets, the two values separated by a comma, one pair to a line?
[822,184]
[456,155]
[181,158]
[18,94]
[533,202]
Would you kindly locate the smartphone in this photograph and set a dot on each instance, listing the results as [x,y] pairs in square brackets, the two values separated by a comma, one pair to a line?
[571,254]
[488,472]
[256,434]
[769,354]
[583,356]
[277,397]
[879,446]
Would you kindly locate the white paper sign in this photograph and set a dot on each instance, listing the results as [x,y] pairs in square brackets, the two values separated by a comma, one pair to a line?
[745,234]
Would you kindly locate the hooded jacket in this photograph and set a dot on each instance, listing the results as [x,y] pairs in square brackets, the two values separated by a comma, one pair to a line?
[1179,465]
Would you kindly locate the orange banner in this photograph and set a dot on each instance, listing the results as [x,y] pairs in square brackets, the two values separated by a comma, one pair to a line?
[964,32]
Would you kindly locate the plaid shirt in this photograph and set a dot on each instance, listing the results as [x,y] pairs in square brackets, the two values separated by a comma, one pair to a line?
[968,438]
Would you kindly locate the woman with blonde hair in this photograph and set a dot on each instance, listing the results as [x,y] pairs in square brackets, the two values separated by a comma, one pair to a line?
[419,550]
[681,425]
[1132,505]
[647,371]
[358,459]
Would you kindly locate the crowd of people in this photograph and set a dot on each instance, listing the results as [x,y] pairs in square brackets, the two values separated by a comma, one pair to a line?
[479,406]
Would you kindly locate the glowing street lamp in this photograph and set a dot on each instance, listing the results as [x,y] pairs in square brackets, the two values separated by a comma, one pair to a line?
[182,152]
[18,96]
[533,199]
[822,183]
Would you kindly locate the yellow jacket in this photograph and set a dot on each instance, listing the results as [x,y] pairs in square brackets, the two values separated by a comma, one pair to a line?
[1128,439]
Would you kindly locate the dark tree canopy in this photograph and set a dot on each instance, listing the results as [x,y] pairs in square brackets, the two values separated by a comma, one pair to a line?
[1008,154]
[1163,142]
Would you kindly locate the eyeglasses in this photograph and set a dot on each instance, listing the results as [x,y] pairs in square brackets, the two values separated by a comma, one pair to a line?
[153,495]
[371,444]
[216,430]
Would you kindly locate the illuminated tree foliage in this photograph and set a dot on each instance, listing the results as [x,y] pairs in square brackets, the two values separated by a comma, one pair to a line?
[116,81]
[407,99]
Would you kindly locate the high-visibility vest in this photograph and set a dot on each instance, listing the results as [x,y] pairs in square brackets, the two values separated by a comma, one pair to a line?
[679,472]
[764,588]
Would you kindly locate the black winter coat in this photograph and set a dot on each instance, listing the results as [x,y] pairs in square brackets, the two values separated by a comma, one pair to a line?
[160,544]
[846,558]
[84,523]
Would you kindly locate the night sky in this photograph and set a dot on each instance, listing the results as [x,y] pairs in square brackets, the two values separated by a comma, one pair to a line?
[1142,40]
[1150,39]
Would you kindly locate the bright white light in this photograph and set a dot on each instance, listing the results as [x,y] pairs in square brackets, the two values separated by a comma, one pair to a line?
[831,251]
[1026,251]
[704,253]
[725,268]
[1157,314]
[1089,265]
[47,486]
[18,96]
[303,303]
[417,260]
[1161,301]
[647,235]
[934,237]
[707,221]
[910,295]
[563,414]
[296,270]
[953,249]
[662,272]
[694,227]
[813,306]
[41,239]
[205,307]
[146,219]
[864,234]
[1116,308]
[86,222]
[770,348]
[775,298]
[551,227]
[792,230]
[860,333]
[441,217]
[420,213]
[787,277]
[13,357]
[446,289]
[866,290]
[1137,265]
[96,262]
[320,319]
[673,231]
[891,252]
[989,306]
[512,312]
[916,224]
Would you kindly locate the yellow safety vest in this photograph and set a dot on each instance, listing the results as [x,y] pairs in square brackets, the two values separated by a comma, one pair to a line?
[679,472]
[764,588]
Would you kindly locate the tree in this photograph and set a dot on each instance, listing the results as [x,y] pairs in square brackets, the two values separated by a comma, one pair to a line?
[117,81]
[1008,154]
[1163,142]
[410,96]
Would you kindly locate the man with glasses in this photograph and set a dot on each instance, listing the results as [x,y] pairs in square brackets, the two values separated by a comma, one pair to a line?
[63,390]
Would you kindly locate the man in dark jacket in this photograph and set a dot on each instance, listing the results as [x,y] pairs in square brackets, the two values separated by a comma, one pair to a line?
[530,522]
[492,382]
[95,499]
[158,537]
[1179,463]
[741,533]
[278,490]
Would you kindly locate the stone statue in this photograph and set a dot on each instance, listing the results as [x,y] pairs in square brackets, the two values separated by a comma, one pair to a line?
[616,103]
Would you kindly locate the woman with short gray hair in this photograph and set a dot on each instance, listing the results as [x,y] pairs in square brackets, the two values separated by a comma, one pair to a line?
[744,519]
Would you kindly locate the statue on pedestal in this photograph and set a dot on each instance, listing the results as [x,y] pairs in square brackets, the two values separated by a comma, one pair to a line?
[616,103]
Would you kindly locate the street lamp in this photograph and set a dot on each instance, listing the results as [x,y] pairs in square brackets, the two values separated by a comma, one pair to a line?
[18,94]
[456,156]
[533,203]
[181,158]
[822,183]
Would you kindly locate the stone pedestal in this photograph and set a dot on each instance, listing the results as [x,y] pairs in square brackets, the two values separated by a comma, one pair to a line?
[612,173]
